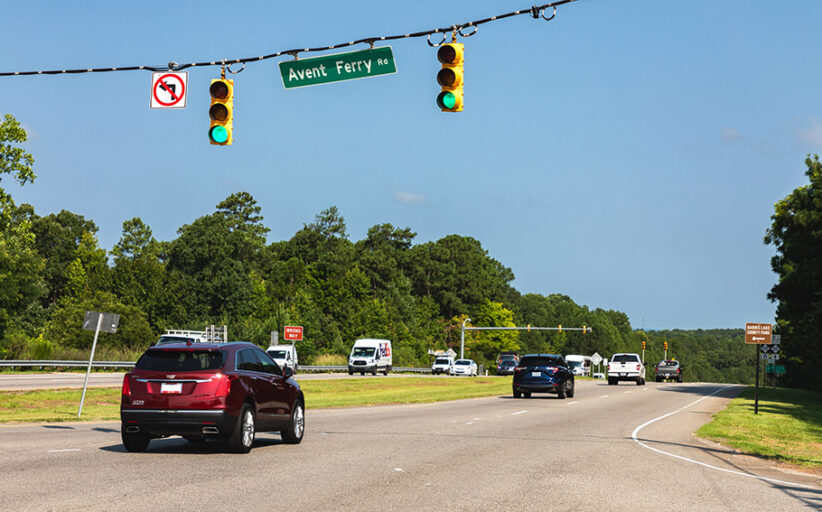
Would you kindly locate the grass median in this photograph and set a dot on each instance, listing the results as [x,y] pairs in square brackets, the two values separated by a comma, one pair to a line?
[788,427]
[104,403]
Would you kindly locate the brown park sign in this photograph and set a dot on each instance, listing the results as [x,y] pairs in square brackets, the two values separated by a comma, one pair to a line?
[759,334]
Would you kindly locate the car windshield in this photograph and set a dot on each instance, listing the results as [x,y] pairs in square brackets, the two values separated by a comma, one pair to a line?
[575,364]
[180,360]
[508,357]
[363,352]
[277,354]
[668,363]
[463,362]
[532,362]
[625,358]
[441,361]
[175,339]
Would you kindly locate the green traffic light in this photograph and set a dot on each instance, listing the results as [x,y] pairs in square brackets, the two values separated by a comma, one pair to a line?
[447,99]
[218,134]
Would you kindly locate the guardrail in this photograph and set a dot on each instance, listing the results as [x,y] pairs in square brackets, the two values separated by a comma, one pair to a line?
[22,363]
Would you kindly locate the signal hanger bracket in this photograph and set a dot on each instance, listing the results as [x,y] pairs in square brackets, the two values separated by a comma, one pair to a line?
[437,44]
[172,65]
[476,27]
[538,13]
[228,68]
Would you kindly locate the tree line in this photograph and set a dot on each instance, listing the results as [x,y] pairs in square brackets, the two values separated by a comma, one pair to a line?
[221,269]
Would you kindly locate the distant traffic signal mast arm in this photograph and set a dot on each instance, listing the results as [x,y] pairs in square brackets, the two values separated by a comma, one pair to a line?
[536,12]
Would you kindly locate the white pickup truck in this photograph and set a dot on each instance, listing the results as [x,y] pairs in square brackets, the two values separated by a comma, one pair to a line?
[626,367]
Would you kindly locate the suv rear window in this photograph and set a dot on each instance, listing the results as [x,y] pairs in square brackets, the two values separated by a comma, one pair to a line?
[180,360]
[533,362]
[625,358]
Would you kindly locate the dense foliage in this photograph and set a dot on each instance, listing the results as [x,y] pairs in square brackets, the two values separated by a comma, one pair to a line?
[220,269]
[796,233]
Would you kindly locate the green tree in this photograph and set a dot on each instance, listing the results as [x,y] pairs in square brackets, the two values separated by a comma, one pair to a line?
[796,232]
[484,346]
[14,160]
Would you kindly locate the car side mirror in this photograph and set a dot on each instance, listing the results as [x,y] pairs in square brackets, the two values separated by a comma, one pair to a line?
[288,372]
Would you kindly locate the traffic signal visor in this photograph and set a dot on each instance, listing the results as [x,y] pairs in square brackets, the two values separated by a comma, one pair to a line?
[221,112]
[450,77]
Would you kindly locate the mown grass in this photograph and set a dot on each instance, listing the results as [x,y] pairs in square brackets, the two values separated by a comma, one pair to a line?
[104,403]
[788,427]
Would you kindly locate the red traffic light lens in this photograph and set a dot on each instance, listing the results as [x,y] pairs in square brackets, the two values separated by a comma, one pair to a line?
[219,90]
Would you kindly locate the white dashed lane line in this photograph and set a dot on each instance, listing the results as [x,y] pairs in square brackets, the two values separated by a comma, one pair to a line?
[518,412]
[574,402]
[604,396]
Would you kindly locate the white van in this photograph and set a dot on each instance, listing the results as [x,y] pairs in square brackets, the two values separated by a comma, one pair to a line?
[579,365]
[370,355]
[284,355]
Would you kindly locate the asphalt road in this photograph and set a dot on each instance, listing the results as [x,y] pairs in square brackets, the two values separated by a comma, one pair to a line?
[54,380]
[492,453]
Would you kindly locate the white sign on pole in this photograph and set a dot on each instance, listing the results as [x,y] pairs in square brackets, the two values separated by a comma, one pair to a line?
[596,358]
[168,90]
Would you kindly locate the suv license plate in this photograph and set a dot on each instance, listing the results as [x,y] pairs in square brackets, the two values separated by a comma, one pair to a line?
[536,374]
[622,375]
[171,387]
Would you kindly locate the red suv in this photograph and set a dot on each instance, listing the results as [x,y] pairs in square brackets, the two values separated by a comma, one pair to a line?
[200,391]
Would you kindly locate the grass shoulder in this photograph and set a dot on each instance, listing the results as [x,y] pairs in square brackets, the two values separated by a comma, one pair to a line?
[101,404]
[788,427]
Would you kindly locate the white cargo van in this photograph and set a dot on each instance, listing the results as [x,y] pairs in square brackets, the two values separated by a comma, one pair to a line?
[370,355]
[579,365]
[284,355]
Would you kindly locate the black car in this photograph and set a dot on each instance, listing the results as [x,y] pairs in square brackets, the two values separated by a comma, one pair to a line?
[543,373]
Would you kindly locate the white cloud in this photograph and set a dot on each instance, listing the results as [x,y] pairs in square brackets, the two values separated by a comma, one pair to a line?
[729,135]
[409,198]
[811,135]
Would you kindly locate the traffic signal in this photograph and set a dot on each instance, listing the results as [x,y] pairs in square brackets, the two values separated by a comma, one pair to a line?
[643,345]
[666,346]
[560,328]
[450,77]
[221,112]
[584,330]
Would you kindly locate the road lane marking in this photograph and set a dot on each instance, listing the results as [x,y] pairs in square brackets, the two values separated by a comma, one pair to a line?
[604,396]
[627,392]
[518,412]
[477,419]
[470,423]
[574,402]
[66,450]
[686,459]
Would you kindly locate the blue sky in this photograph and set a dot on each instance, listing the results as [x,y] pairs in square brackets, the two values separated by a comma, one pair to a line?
[627,154]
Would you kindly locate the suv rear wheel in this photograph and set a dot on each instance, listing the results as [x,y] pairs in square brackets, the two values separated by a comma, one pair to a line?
[296,427]
[243,436]
[135,442]
[569,392]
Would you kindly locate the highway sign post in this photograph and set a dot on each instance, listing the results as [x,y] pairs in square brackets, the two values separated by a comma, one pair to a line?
[338,67]
[758,334]
[94,321]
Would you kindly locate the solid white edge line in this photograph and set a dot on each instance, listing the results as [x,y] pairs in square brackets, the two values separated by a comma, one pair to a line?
[686,459]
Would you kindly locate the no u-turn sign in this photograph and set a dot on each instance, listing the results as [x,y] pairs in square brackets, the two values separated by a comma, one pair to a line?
[168,90]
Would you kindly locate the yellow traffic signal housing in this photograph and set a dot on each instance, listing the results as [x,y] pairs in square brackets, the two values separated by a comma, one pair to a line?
[221,112]
[643,345]
[450,77]
[559,328]
[666,345]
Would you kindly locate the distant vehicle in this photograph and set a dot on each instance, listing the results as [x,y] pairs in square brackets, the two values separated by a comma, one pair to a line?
[506,362]
[579,365]
[224,391]
[283,355]
[599,376]
[543,373]
[464,367]
[669,369]
[211,334]
[442,364]
[370,355]
[626,366]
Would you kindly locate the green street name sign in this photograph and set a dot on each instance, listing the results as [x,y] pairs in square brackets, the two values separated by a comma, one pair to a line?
[338,67]
[775,368]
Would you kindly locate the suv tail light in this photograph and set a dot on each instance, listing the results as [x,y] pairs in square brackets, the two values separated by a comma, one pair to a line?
[126,386]
[224,386]
[638,367]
